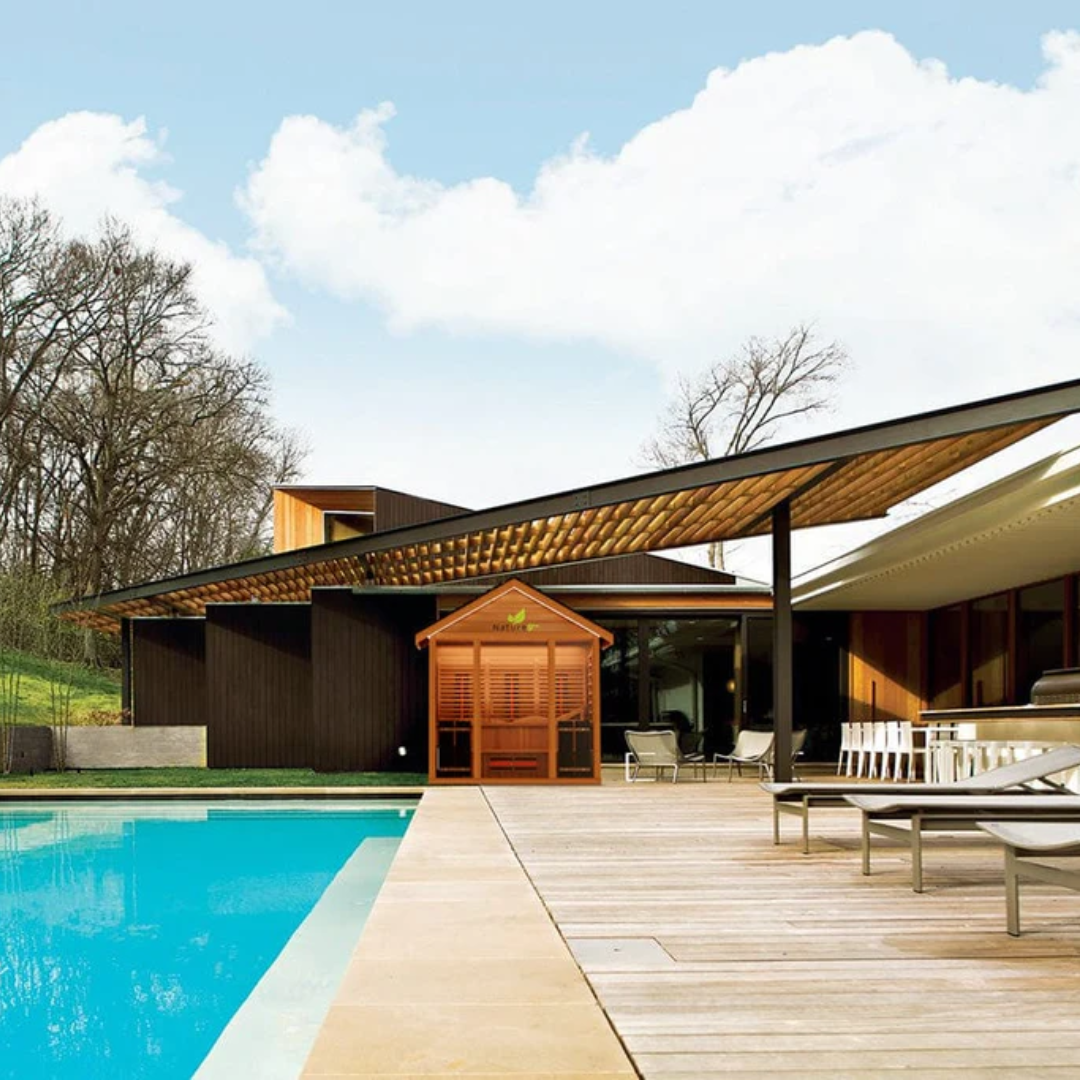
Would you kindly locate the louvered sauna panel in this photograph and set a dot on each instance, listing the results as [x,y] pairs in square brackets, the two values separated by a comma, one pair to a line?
[514,711]
[574,696]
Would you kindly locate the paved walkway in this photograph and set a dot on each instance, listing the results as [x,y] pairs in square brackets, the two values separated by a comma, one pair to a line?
[460,971]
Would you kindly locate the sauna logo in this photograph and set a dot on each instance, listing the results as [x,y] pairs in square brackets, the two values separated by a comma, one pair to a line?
[515,622]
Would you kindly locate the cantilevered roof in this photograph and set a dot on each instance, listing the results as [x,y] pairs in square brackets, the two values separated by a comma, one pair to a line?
[1022,528]
[848,476]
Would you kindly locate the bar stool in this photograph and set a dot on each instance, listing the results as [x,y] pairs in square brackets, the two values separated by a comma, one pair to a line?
[865,748]
[894,747]
[847,747]
[879,748]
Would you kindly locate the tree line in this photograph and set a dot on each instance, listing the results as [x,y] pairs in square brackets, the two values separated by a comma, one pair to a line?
[131,446]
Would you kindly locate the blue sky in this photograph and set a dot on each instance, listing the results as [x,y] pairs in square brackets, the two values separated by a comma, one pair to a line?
[432,388]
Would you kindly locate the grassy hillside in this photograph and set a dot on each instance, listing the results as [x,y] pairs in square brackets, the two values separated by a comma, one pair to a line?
[94,690]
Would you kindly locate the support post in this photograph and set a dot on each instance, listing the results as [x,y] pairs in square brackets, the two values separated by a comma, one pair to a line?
[783,695]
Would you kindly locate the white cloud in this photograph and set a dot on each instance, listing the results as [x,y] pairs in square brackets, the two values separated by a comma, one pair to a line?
[931,223]
[85,166]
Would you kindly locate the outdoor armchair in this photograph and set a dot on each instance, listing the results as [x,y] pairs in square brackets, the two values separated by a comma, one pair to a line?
[660,750]
[751,748]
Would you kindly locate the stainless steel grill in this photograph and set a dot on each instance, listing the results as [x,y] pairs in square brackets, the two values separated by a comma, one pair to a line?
[1058,687]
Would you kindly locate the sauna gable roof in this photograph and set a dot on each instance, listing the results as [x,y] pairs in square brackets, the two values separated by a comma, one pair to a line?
[514,611]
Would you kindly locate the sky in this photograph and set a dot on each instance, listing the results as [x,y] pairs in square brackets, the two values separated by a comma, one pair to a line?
[475,244]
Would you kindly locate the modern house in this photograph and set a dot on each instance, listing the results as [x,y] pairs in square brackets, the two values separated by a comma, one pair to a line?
[314,655]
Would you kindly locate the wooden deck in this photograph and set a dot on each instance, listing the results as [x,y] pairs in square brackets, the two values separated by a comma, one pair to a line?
[715,953]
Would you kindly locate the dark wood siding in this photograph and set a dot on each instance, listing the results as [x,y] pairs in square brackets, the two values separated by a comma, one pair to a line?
[638,569]
[395,509]
[370,681]
[258,668]
[168,672]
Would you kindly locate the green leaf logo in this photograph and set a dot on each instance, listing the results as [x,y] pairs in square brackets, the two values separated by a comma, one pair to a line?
[516,620]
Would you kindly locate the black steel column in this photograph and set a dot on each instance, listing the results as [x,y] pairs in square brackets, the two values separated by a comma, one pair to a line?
[783,696]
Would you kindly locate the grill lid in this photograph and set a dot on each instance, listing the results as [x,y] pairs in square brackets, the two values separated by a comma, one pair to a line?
[1058,687]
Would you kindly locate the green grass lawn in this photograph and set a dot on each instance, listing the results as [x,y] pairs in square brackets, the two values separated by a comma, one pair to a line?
[196,778]
[93,690]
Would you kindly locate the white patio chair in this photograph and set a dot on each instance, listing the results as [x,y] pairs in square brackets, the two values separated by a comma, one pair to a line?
[751,748]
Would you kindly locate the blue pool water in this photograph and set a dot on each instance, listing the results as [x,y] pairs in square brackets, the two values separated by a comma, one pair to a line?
[129,935]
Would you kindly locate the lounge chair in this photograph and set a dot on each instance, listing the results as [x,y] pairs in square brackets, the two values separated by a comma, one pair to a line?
[751,748]
[660,750]
[1025,841]
[907,817]
[1027,775]
[798,741]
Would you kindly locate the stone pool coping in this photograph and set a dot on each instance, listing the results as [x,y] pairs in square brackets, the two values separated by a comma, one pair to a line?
[460,970]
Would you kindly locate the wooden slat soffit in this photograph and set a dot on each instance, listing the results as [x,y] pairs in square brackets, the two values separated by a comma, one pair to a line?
[849,476]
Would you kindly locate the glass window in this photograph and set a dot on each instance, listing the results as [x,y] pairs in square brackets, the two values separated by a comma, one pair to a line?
[946,658]
[989,650]
[759,674]
[692,679]
[619,666]
[1040,634]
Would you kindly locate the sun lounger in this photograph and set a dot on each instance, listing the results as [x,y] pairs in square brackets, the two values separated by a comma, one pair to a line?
[1030,774]
[907,817]
[1025,841]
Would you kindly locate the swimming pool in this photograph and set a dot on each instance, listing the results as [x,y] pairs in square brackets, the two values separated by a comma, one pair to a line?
[132,934]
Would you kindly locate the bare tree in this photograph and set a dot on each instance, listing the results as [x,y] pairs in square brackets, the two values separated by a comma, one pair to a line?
[131,447]
[740,403]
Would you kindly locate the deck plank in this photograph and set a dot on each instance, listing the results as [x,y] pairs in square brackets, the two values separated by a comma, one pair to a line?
[716,953]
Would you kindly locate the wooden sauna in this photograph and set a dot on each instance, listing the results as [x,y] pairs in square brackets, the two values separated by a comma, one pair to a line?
[514,691]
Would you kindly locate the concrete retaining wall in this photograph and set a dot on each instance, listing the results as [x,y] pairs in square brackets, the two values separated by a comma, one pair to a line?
[135,747]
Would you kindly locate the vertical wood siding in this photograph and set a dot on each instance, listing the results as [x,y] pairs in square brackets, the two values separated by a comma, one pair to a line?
[395,509]
[258,678]
[369,681]
[168,672]
[886,669]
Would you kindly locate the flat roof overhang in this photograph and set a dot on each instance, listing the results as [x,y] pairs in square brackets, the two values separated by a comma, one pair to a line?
[1015,531]
[846,476]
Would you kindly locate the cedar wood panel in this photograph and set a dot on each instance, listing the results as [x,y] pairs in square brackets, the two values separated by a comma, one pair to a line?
[168,672]
[886,673]
[258,677]
[370,681]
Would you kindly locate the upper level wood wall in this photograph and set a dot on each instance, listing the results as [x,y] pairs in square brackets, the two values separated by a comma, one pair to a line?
[298,512]
[168,672]
[887,667]
[395,509]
